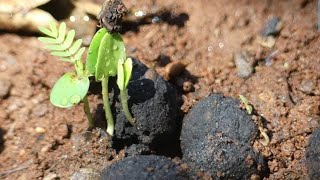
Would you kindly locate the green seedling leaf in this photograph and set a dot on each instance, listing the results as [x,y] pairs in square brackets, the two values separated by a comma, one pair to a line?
[124,73]
[55,48]
[75,47]
[79,53]
[53,28]
[93,51]
[127,67]
[46,32]
[69,39]
[61,53]
[69,90]
[111,50]
[62,33]
[120,76]
[60,44]
[48,40]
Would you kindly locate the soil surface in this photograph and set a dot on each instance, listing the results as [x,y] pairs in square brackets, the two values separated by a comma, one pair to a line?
[201,47]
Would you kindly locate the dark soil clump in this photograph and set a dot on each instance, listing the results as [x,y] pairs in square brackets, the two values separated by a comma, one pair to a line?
[216,139]
[313,156]
[144,168]
[153,104]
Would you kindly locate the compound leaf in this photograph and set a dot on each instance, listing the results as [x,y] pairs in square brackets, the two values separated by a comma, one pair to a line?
[61,44]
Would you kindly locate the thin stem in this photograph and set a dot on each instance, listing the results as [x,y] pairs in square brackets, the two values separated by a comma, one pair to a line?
[87,111]
[107,109]
[124,102]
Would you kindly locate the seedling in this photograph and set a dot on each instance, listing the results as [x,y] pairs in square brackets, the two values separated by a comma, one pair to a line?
[246,104]
[106,57]
[249,109]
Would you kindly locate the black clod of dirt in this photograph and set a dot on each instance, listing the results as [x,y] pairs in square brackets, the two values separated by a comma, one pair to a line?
[216,139]
[153,103]
[313,156]
[144,168]
[111,15]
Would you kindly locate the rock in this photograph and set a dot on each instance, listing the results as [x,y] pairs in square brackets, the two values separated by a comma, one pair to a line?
[144,168]
[86,174]
[137,149]
[173,69]
[40,110]
[40,130]
[307,86]
[313,156]
[5,87]
[272,27]
[216,138]
[153,104]
[62,131]
[244,64]
[51,176]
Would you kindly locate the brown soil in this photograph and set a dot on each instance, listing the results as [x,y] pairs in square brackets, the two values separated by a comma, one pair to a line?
[194,47]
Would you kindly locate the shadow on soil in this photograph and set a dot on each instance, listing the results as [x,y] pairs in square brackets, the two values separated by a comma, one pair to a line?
[2,132]
[168,17]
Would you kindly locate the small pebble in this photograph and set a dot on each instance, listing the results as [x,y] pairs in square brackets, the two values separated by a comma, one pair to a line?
[244,64]
[40,110]
[15,105]
[86,174]
[173,69]
[307,86]
[267,42]
[272,27]
[187,86]
[62,131]
[51,176]
[40,130]
[5,87]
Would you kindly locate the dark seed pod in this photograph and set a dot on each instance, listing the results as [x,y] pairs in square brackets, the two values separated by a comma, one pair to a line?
[111,15]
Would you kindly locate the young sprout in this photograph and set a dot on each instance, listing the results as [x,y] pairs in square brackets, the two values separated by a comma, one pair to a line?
[73,86]
[249,109]
[106,57]
[124,75]
[246,104]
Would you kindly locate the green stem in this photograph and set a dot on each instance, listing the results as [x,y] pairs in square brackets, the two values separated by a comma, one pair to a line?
[124,102]
[87,111]
[107,109]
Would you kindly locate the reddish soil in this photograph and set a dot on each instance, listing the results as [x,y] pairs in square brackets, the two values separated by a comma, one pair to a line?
[194,47]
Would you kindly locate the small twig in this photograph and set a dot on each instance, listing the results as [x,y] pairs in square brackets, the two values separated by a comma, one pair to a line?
[20,168]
